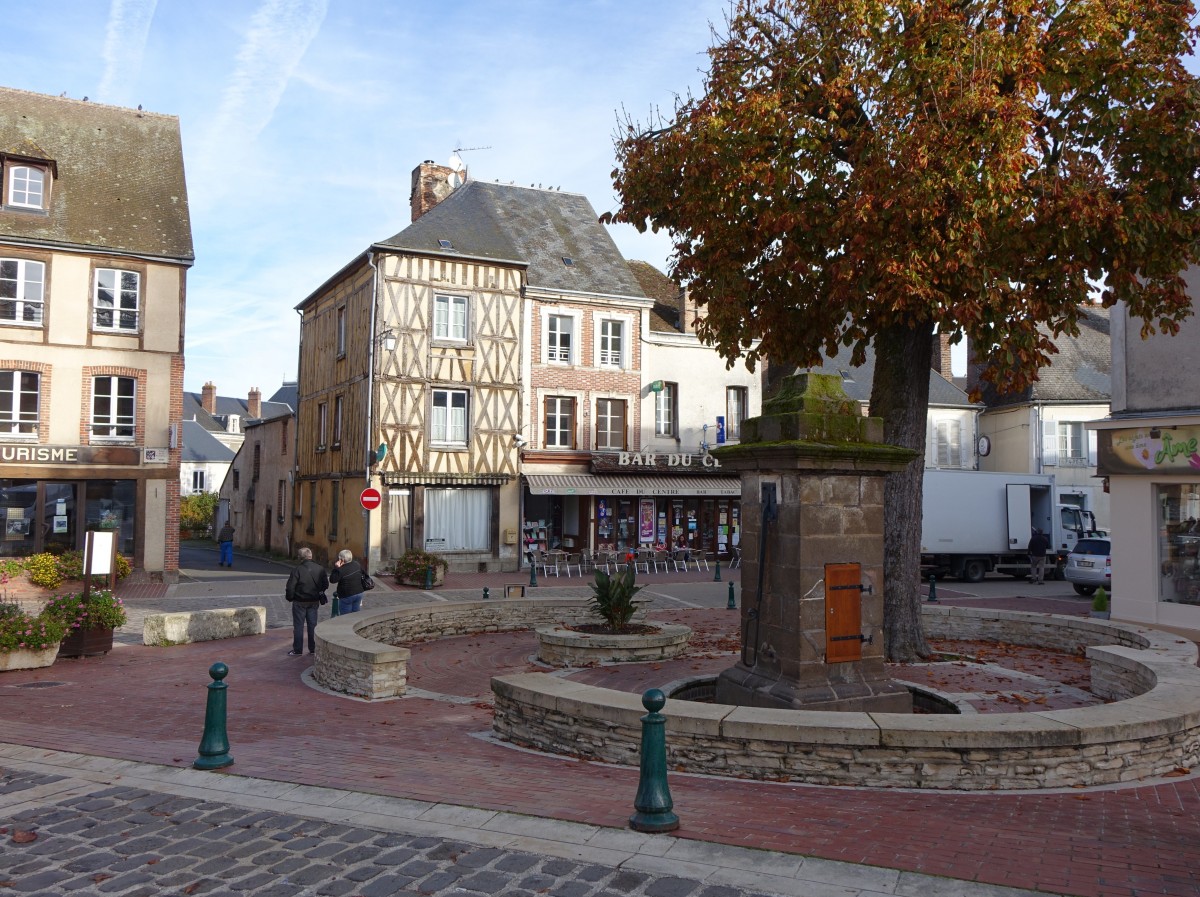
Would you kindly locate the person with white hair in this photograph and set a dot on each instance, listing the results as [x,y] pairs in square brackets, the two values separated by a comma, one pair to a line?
[347,575]
[305,590]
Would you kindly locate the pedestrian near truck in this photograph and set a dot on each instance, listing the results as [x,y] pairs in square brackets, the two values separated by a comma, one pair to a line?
[225,545]
[1038,546]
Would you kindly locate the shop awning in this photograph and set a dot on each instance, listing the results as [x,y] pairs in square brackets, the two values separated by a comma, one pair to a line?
[596,484]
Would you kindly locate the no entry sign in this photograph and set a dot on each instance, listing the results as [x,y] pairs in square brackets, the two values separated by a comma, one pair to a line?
[370,499]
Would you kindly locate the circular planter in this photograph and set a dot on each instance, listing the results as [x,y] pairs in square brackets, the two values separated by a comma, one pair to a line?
[563,647]
[27,659]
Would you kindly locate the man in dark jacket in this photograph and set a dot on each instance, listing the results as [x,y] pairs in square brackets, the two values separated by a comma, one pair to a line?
[305,588]
[225,544]
[347,575]
[1038,546]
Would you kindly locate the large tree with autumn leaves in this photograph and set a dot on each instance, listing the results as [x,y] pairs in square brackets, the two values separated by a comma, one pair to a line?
[863,172]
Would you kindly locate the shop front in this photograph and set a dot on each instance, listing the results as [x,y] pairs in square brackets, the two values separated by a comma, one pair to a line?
[1153,476]
[628,501]
[50,496]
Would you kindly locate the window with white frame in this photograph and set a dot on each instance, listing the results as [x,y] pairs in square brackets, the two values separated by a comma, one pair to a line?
[116,299]
[947,437]
[22,291]
[197,481]
[1072,443]
[559,338]
[113,407]
[737,409]
[450,318]
[337,422]
[666,410]
[26,187]
[322,425]
[341,331]
[448,423]
[612,339]
[19,398]
[610,425]
[560,422]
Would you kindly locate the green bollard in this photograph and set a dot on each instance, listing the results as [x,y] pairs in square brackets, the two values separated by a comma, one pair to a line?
[717,575]
[653,801]
[732,605]
[214,744]
[335,606]
[533,574]
[932,589]
[429,577]
[485,593]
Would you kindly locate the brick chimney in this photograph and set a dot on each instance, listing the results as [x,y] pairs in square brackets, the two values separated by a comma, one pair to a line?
[688,311]
[208,397]
[254,404]
[431,183]
[941,356]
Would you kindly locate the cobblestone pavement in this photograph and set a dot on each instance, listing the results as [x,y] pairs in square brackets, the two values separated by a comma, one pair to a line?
[65,835]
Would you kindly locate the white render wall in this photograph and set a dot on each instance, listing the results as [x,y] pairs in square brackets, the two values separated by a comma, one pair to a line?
[702,378]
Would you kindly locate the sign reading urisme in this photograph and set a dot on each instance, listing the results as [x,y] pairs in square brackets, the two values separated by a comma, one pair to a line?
[1146,449]
[11,453]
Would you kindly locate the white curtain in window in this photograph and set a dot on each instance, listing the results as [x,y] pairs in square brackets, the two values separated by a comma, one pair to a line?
[458,519]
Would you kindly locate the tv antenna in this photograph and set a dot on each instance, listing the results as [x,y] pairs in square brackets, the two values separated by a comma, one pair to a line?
[470,149]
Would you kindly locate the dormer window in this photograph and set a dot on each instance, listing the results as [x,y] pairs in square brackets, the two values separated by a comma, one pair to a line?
[26,182]
[26,187]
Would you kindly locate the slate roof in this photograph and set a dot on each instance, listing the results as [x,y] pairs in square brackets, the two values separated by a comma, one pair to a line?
[1080,372]
[120,180]
[288,394]
[193,410]
[664,317]
[942,393]
[529,226]
[199,445]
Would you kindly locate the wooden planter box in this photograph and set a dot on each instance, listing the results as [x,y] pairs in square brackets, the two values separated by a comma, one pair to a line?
[86,643]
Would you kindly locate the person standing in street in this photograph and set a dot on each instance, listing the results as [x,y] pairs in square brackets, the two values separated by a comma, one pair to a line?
[347,575]
[225,544]
[306,587]
[1038,545]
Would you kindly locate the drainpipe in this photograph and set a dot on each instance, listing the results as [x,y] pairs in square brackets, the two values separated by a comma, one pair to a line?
[368,442]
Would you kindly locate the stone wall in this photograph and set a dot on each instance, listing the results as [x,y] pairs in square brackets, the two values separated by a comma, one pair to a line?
[360,654]
[1149,734]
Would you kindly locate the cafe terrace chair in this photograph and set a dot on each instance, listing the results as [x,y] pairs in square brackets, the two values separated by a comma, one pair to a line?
[574,560]
[661,559]
[549,562]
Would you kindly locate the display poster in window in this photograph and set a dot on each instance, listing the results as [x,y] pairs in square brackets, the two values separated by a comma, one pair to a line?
[662,527]
[603,508]
[60,524]
[646,517]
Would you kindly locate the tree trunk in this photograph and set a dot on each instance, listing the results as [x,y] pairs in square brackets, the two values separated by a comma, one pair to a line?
[900,395]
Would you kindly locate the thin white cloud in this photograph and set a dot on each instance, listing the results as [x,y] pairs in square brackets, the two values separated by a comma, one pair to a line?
[124,43]
[279,35]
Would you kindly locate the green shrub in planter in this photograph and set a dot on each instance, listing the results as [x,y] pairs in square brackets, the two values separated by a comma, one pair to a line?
[413,565]
[1100,600]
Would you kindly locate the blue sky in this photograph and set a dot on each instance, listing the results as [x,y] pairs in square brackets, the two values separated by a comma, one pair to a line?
[303,119]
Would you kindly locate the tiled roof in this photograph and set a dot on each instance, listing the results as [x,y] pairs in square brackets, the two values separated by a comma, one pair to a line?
[526,225]
[1080,372]
[664,317]
[200,445]
[120,183]
[942,392]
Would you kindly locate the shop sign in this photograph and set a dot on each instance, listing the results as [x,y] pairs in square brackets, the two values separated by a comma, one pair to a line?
[1148,449]
[655,462]
[69,454]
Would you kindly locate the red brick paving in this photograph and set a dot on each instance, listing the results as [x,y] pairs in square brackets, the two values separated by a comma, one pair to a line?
[147,704]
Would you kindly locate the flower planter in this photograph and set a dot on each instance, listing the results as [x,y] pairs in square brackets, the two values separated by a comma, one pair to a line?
[418,582]
[27,658]
[87,642]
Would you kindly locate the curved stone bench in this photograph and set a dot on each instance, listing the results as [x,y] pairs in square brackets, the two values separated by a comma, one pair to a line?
[361,654]
[1152,729]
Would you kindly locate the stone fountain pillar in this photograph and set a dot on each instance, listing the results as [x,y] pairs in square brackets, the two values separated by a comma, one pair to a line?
[812,590]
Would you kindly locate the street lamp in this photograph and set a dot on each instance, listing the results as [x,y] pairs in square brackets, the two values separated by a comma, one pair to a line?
[388,340]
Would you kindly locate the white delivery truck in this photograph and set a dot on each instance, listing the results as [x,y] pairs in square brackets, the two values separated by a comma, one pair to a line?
[974,522]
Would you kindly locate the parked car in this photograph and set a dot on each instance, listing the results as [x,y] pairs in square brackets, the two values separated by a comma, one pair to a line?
[1089,566]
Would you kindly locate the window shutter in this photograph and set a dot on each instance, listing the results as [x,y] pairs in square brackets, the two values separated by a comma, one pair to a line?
[1091,438]
[1050,443]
